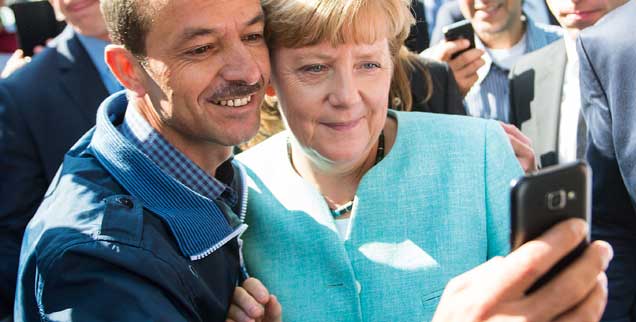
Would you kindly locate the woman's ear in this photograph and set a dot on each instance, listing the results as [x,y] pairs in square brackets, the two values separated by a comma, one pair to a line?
[126,68]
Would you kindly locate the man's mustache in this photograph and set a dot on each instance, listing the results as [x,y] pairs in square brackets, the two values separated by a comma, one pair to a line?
[237,89]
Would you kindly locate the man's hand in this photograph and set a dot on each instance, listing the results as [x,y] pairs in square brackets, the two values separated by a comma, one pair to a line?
[522,145]
[495,291]
[252,302]
[464,66]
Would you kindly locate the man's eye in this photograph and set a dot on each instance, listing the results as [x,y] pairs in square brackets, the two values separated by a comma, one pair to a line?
[253,37]
[199,50]
[315,68]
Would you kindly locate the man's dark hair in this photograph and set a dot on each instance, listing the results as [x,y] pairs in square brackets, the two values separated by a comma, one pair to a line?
[128,23]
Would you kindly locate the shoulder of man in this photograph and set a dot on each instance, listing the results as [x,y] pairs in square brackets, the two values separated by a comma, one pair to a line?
[83,203]
[539,57]
[541,34]
[44,66]
[614,30]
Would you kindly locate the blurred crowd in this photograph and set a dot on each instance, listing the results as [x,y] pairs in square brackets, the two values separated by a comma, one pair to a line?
[323,160]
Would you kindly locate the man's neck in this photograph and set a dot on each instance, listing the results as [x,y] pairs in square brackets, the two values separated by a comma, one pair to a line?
[206,155]
[505,39]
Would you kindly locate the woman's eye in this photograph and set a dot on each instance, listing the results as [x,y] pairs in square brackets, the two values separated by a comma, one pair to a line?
[370,65]
[316,68]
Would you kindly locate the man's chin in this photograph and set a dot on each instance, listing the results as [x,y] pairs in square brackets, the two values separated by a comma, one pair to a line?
[240,137]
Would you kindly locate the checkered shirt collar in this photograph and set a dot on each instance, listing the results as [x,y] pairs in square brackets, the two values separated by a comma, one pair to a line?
[174,163]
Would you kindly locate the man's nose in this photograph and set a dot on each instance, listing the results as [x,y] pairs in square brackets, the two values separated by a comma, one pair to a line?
[240,64]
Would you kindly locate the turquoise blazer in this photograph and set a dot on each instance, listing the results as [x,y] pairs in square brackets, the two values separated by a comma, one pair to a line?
[436,206]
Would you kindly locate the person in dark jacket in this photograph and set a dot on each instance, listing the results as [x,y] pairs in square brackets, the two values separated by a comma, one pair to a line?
[608,102]
[45,107]
[142,221]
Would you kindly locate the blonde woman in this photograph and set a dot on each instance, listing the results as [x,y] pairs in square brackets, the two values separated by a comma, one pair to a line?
[358,212]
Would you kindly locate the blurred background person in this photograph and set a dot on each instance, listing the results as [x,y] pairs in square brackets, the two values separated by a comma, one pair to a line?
[608,93]
[502,35]
[544,86]
[449,12]
[44,108]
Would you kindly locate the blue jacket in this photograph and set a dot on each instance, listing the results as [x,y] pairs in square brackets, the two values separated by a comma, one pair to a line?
[116,239]
[436,206]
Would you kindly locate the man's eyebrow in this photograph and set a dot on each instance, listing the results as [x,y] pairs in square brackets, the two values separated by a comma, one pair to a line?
[260,17]
[192,33]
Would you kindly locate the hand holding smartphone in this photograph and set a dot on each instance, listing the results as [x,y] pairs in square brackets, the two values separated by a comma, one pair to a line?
[460,30]
[545,198]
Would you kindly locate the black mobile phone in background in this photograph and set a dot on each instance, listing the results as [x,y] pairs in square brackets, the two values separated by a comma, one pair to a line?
[460,30]
[541,200]
[35,23]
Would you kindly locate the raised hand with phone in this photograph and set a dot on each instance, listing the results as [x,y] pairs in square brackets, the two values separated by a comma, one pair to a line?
[458,50]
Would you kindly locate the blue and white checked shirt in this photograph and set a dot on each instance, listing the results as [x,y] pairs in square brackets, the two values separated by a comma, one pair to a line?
[174,163]
[489,97]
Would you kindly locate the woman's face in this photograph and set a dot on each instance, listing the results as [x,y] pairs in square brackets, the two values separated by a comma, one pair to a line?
[334,99]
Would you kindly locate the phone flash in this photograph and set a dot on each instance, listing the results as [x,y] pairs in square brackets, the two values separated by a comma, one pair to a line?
[571,195]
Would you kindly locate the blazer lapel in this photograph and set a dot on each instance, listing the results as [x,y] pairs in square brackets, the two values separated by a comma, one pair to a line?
[535,95]
[79,76]
[546,108]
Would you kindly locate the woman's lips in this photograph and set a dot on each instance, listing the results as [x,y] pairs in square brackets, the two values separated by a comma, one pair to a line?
[342,126]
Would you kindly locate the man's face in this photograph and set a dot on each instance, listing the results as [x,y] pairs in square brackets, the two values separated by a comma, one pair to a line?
[83,15]
[579,14]
[491,17]
[207,64]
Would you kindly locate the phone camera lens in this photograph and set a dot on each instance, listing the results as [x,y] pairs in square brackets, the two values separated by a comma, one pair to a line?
[556,200]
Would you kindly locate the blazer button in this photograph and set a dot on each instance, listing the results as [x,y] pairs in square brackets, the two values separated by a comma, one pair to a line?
[125,202]
[358,287]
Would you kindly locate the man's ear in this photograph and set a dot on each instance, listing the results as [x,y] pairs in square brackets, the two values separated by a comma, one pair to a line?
[126,68]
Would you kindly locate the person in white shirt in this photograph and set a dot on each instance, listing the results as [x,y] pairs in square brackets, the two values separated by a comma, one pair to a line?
[544,86]
[502,34]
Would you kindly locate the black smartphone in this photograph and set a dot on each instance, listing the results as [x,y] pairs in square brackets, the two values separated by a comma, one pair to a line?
[35,23]
[460,30]
[543,199]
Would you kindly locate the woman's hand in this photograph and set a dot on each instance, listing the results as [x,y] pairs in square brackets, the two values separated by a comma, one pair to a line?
[495,290]
[522,146]
[252,302]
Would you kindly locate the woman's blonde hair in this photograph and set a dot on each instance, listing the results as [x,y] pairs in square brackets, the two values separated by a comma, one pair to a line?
[299,23]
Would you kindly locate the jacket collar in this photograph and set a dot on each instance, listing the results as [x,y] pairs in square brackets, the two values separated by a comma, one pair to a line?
[197,223]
